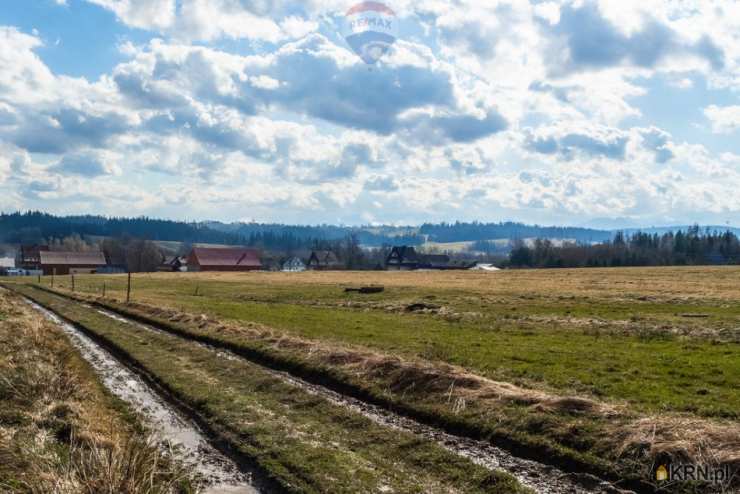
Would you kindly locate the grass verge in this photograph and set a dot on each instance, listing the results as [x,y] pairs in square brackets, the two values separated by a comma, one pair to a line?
[60,430]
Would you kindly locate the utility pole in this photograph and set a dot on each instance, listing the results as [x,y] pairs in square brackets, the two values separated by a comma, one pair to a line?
[128,289]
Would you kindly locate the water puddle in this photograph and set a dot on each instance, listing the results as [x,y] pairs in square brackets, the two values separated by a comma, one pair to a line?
[221,474]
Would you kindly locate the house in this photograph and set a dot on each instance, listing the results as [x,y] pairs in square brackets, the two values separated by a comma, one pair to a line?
[223,259]
[294,265]
[406,258]
[30,256]
[61,263]
[173,264]
[6,264]
[324,260]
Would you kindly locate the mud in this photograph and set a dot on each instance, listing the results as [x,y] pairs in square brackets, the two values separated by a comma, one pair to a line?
[541,478]
[177,435]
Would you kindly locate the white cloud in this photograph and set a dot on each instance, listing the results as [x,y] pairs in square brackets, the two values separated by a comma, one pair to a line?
[288,121]
[146,14]
[724,119]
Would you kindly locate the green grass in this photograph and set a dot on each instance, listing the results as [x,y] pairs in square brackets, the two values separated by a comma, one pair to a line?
[304,442]
[648,369]
[633,361]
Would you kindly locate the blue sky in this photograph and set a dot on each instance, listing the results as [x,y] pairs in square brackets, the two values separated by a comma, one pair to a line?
[578,112]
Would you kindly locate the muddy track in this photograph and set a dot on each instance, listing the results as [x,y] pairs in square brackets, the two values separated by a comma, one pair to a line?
[538,476]
[179,429]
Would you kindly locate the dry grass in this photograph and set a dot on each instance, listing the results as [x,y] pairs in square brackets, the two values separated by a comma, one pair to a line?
[658,283]
[669,438]
[59,432]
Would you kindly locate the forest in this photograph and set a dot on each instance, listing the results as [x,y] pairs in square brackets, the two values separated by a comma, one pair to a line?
[691,247]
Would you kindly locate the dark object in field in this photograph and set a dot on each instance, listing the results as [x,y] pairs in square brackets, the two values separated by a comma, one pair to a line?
[419,306]
[696,316]
[365,290]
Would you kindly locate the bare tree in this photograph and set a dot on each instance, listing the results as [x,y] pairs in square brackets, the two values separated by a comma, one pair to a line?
[136,255]
[71,243]
[143,256]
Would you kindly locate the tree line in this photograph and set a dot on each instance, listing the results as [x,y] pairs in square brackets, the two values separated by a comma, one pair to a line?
[691,247]
[34,227]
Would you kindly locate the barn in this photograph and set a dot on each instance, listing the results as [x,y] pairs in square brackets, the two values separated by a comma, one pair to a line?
[224,259]
[62,263]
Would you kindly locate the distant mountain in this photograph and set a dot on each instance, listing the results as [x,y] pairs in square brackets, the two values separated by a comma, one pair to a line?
[466,232]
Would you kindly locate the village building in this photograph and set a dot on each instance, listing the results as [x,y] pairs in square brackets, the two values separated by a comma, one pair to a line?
[6,264]
[173,264]
[62,263]
[30,256]
[406,258]
[223,259]
[294,265]
[324,260]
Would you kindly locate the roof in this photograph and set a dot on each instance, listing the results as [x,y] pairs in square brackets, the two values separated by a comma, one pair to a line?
[325,256]
[7,262]
[34,248]
[408,254]
[208,256]
[73,258]
[405,253]
[173,259]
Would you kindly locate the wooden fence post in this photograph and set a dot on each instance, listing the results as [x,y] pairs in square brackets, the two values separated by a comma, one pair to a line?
[104,289]
[128,289]
[73,283]
[53,272]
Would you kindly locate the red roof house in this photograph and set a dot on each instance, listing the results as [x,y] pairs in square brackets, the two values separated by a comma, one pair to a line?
[224,259]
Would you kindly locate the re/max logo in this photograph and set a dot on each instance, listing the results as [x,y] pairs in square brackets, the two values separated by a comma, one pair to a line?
[367,22]
[693,473]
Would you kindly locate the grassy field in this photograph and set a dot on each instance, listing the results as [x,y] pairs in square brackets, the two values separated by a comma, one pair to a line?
[655,352]
[304,443]
[658,339]
[60,431]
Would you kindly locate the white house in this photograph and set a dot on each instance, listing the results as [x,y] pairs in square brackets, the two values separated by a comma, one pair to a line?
[294,265]
[6,263]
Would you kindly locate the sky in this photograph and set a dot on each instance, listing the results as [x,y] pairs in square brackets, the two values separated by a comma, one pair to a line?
[602,113]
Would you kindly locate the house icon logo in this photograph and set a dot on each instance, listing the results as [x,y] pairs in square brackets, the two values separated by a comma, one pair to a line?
[370,29]
[661,474]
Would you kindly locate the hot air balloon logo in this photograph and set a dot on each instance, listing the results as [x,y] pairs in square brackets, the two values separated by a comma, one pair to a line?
[370,29]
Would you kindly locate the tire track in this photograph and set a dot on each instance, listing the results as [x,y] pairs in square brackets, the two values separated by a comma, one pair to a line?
[540,477]
[177,434]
